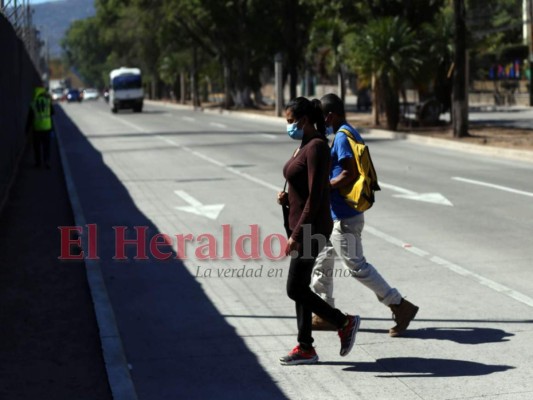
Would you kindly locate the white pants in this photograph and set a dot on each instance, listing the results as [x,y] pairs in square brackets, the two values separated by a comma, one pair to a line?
[346,242]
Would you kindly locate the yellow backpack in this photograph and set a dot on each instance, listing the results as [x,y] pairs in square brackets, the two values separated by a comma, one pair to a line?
[360,195]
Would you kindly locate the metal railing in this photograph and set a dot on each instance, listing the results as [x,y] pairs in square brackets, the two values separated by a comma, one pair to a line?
[20,14]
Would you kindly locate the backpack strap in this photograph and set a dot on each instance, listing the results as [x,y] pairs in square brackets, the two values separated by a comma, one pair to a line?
[349,135]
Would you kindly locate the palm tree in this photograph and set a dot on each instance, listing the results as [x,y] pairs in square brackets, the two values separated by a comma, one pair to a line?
[388,49]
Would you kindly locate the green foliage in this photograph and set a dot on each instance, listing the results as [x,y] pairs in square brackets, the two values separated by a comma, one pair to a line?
[83,51]
[494,23]
[397,40]
[387,47]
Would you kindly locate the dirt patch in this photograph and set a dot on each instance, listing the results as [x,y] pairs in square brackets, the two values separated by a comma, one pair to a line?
[514,138]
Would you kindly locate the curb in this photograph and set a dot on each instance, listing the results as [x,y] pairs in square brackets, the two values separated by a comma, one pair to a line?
[118,374]
[500,152]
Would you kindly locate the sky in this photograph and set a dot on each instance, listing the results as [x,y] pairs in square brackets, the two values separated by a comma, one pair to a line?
[40,1]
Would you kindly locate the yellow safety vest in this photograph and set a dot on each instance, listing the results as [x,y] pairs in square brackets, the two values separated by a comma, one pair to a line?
[42,113]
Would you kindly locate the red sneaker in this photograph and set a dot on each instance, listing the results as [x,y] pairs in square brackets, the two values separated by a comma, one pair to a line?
[347,334]
[299,356]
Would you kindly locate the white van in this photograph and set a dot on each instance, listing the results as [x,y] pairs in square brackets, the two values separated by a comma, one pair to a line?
[125,89]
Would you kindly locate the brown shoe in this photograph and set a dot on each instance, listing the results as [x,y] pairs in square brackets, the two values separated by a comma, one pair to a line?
[402,314]
[320,324]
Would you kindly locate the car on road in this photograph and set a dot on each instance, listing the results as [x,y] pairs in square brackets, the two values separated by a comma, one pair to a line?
[90,94]
[57,94]
[73,95]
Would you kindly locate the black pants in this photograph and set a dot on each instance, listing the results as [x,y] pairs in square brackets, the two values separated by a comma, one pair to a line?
[41,146]
[308,302]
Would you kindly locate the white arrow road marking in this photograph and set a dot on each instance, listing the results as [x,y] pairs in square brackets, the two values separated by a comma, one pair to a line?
[491,185]
[210,211]
[435,198]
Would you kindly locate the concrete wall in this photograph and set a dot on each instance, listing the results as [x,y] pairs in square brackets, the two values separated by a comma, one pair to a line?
[18,77]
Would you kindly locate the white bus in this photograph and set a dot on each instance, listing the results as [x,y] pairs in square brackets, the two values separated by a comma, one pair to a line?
[125,89]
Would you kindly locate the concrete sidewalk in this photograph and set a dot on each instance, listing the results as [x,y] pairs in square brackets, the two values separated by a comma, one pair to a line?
[49,342]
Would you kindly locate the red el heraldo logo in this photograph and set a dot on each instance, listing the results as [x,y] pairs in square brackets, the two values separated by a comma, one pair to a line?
[162,246]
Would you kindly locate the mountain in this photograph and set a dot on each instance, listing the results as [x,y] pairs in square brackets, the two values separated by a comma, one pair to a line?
[53,19]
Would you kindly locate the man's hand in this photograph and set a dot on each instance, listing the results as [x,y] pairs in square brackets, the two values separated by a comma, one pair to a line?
[348,175]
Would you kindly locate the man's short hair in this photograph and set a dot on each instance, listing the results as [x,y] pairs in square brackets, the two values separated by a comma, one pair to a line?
[331,103]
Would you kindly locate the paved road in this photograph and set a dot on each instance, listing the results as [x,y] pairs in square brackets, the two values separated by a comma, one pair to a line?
[451,230]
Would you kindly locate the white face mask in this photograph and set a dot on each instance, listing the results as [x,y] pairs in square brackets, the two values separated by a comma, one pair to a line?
[294,132]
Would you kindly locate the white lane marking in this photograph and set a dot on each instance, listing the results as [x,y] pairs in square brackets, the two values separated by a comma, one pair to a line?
[522,298]
[203,157]
[210,211]
[435,198]
[491,185]
[269,136]
[189,119]
[130,124]
[222,165]
[419,252]
[167,140]
[218,125]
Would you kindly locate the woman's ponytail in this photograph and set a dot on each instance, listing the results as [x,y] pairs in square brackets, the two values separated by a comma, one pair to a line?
[318,116]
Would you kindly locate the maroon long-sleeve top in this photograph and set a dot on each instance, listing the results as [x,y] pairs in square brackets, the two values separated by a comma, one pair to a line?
[308,176]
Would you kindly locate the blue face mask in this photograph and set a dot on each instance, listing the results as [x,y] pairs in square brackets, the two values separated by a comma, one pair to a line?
[294,132]
[329,130]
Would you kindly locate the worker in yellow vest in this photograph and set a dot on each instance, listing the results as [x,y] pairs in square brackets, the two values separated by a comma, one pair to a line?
[41,114]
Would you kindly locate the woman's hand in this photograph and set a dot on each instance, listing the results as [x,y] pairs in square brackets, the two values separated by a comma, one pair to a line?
[292,245]
[283,198]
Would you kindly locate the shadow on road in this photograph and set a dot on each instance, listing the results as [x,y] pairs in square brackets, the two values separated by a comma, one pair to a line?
[178,344]
[461,335]
[412,367]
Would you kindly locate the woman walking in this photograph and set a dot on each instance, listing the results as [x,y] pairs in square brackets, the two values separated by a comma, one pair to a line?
[307,173]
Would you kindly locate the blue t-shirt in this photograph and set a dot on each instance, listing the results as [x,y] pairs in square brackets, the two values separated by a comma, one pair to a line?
[341,150]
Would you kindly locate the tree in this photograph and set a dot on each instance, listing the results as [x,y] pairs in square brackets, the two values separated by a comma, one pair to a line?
[460,100]
[434,79]
[241,35]
[326,39]
[387,48]
[83,50]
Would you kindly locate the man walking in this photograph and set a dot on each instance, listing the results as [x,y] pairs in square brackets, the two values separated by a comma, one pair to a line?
[345,240]
[41,115]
